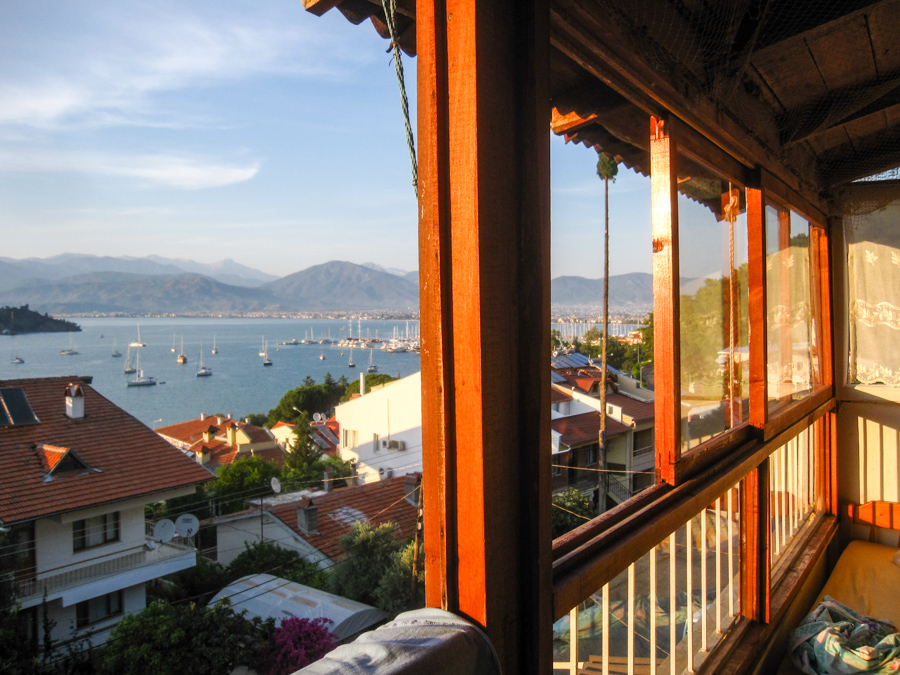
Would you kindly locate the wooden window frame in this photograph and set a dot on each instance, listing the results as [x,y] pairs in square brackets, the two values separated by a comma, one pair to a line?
[80,532]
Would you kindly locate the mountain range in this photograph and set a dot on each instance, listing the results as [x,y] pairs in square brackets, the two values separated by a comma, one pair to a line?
[79,284]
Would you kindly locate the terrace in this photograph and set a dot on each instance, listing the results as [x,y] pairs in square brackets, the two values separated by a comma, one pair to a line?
[752,117]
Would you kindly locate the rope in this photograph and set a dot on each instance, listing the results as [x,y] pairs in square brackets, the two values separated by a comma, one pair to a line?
[390,8]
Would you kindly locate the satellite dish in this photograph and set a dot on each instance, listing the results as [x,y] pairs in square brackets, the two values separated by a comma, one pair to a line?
[317,417]
[276,485]
[164,530]
[187,525]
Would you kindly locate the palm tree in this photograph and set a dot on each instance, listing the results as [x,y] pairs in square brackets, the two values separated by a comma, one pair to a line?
[607,168]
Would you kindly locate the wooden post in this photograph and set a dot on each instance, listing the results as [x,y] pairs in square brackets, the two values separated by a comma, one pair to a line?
[756,280]
[755,545]
[484,245]
[666,291]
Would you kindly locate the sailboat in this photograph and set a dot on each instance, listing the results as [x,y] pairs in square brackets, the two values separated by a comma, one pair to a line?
[115,352]
[372,367]
[215,350]
[71,351]
[203,371]
[181,357]
[129,365]
[15,357]
[264,348]
[322,356]
[265,354]
[139,379]
[350,363]
[173,342]
[138,343]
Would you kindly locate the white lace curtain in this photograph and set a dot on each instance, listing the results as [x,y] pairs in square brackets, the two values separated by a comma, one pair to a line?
[873,247]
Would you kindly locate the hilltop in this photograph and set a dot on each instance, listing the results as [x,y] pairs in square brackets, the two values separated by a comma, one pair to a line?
[15,320]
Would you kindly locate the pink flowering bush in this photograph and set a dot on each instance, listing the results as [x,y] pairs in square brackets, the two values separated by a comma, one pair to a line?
[297,643]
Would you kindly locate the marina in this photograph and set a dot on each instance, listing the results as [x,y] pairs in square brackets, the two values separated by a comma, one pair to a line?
[240,385]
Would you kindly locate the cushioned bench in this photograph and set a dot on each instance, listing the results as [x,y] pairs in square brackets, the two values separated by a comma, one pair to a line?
[865,577]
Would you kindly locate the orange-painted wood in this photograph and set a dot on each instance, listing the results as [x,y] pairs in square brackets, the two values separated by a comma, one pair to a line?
[755,542]
[756,281]
[484,250]
[435,284]
[666,290]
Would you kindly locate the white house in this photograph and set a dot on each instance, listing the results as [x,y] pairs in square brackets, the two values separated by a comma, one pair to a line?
[382,430]
[77,474]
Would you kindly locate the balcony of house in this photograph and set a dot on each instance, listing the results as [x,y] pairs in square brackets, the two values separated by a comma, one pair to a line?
[104,573]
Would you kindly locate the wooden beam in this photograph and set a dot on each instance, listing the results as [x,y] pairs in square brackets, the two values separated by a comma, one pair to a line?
[319,7]
[757,307]
[484,250]
[666,296]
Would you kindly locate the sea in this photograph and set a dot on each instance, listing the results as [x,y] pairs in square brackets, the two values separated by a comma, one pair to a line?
[240,385]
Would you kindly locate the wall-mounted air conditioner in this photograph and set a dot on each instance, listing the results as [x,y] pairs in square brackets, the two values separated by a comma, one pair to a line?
[387,444]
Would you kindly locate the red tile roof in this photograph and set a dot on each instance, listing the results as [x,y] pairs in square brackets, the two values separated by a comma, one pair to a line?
[126,458]
[639,411]
[585,428]
[221,452]
[376,503]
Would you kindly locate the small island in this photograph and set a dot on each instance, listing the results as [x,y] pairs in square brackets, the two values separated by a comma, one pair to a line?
[18,320]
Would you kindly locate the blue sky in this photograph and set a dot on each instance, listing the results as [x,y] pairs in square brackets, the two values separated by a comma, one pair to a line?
[230,129]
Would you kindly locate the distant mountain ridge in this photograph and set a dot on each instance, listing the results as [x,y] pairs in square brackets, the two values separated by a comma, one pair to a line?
[65,265]
[332,286]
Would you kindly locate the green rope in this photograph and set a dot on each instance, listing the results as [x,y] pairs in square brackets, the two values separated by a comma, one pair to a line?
[390,8]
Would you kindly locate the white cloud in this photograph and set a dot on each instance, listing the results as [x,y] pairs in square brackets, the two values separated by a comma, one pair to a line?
[125,57]
[179,171]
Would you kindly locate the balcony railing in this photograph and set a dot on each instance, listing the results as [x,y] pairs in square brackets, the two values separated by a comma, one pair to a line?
[642,451]
[102,566]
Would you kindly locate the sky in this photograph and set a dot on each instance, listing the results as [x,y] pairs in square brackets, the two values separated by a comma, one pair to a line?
[236,129]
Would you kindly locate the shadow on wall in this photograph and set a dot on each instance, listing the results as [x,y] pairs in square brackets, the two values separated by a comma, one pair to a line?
[869,452]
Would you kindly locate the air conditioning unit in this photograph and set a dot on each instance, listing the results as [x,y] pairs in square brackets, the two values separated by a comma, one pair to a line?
[387,444]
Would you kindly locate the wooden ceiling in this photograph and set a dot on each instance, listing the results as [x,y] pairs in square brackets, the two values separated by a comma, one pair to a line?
[807,90]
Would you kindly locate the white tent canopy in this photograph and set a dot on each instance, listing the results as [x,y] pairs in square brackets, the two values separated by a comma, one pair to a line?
[265,596]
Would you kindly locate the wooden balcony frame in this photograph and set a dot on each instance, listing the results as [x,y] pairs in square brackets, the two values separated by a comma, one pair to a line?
[483,198]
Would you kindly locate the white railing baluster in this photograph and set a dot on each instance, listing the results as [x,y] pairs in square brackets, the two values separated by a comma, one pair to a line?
[631,626]
[689,618]
[605,624]
[719,566]
[673,624]
[730,555]
[573,641]
[653,610]
[703,626]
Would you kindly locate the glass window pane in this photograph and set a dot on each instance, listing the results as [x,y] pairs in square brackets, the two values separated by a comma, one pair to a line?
[714,349]
[792,309]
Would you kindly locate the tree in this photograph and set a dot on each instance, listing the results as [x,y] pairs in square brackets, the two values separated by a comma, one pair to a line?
[167,639]
[309,399]
[270,558]
[296,643]
[372,380]
[394,593]
[607,168]
[245,478]
[368,556]
[257,419]
[568,505]
[200,583]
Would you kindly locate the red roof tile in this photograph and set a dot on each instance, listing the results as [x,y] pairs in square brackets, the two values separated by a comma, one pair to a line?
[220,451]
[376,503]
[126,458]
[584,428]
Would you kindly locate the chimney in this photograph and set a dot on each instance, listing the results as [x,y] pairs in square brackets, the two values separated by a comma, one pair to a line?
[230,435]
[246,420]
[219,421]
[329,479]
[308,517]
[353,480]
[362,384]
[202,416]
[229,415]
[202,455]
[410,482]
[74,402]
[207,435]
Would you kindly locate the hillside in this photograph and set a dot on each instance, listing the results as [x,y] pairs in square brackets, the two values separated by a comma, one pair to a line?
[20,320]
[339,285]
[117,292]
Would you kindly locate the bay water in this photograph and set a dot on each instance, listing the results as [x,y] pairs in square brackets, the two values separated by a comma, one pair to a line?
[240,384]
